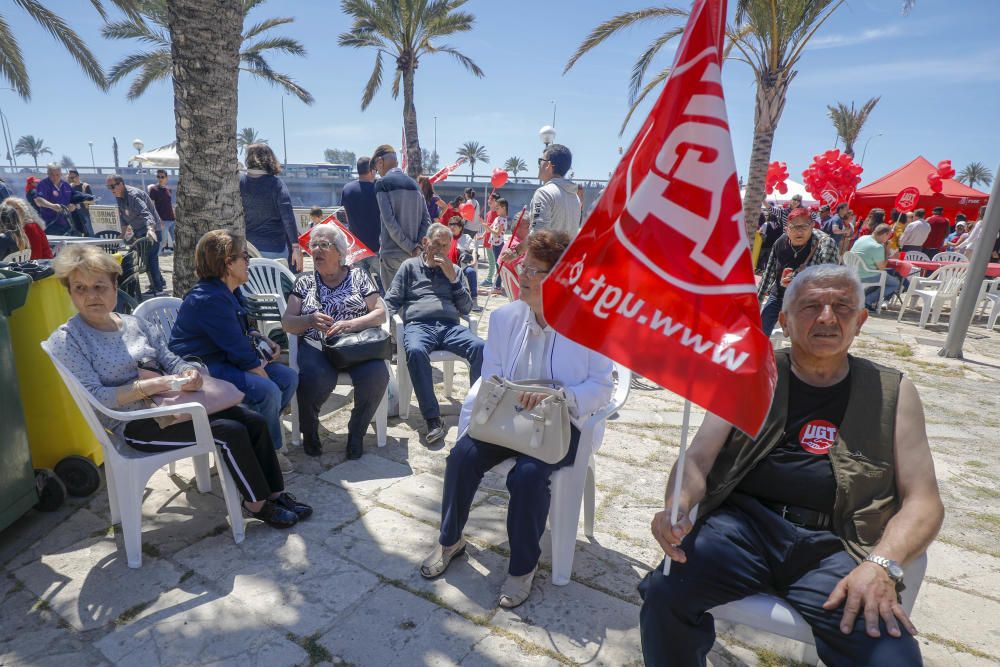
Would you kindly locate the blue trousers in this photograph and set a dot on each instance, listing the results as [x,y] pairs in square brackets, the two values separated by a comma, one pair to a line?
[422,338]
[317,378]
[269,397]
[527,481]
[156,281]
[892,283]
[769,313]
[743,548]
[471,278]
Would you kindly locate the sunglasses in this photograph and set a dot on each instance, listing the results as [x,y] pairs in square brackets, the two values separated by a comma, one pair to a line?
[245,256]
[541,160]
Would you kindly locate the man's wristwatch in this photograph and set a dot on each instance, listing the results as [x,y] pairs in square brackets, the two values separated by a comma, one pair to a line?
[893,569]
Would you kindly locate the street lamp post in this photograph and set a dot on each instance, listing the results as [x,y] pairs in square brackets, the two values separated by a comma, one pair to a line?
[284,137]
[435,136]
[8,136]
[865,151]
[553,102]
[93,163]
[547,134]
[138,145]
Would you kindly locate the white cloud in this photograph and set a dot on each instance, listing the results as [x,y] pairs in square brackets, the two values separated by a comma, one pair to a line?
[860,37]
[969,68]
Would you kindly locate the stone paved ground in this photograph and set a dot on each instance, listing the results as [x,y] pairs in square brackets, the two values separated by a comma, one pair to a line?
[343,588]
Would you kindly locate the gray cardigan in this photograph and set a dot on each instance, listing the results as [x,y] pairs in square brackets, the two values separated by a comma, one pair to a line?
[420,292]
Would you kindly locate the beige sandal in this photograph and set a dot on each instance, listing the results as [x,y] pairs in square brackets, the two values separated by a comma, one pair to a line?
[438,561]
[515,590]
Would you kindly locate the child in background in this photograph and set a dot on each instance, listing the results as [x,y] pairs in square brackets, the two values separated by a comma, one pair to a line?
[496,237]
[461,253]
[315,216]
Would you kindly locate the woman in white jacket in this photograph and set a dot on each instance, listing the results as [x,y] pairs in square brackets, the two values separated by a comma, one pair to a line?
[520,346]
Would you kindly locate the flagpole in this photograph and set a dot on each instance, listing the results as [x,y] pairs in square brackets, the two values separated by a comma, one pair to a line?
[675,503]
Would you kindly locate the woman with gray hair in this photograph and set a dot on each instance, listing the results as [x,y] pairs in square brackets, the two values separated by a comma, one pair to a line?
[334,299]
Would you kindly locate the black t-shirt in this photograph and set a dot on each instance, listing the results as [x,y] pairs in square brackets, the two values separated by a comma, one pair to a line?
[788,257]
[363,217]
[797,471]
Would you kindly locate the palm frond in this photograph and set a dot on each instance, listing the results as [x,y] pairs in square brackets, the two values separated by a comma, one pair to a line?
[257,28]
[71,41]
[159,68]
[139,30]
[374,83]
[642,64]
[653,83]
[617,24]
[12,68]
[284,44]
[460,57]
[282,81]
[128,7]
[138,61]
[395,83]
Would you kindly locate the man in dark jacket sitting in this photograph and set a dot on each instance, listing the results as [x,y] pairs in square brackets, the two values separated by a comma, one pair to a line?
[822,508]
[431,295]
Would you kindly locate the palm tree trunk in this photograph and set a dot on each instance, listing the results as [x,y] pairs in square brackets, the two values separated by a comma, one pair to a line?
[205,42]
[771,95]
[412,148]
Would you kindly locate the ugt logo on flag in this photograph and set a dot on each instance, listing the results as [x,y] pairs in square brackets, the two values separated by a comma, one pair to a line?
[660,277]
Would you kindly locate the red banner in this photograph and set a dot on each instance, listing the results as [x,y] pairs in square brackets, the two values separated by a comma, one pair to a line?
[660,277]
[446,171]
[356,250]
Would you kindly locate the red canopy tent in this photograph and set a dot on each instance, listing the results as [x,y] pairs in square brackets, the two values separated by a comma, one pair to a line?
[955,197]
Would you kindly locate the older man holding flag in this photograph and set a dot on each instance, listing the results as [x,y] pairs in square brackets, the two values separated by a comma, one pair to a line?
[818,495]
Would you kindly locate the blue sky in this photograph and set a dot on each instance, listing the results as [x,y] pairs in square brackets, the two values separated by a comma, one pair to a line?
[937,71]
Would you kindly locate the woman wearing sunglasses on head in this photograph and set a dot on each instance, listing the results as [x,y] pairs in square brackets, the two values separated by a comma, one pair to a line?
[334,299]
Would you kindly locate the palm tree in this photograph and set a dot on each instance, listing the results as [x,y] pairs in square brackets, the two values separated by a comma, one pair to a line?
[473,152]
[67,162]
[769,36]
[515,165]
[848,121]
[404,30]
[975,173]
[157,64]
[12,66]
[248,136]
[29,145]
[205,54]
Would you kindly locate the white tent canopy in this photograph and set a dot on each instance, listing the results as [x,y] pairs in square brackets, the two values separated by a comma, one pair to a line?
[794,188]
[164,156]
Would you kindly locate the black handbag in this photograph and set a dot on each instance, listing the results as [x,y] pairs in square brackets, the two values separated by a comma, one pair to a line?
[347,350]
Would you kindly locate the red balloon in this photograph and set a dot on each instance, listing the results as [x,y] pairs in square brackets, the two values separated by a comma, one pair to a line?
[782,188]
[467,210]
[499,178]
[831,154]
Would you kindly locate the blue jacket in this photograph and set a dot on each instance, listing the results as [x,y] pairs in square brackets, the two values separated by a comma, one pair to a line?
[212,327]
[267,210]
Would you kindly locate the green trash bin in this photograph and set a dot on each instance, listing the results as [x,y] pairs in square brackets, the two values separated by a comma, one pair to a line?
[19,488]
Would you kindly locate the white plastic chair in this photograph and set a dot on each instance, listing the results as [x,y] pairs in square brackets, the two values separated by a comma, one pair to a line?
[994,299]
[935,292]
[381,418]
[916,256]
[772,614]
[403,382]
[160,313]
[949,256]
[576,484]
[18,256]
[857,262]
[127,470]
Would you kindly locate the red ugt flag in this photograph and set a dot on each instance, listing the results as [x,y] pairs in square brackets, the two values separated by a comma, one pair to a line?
[356,250]
[445,172]
[660,277]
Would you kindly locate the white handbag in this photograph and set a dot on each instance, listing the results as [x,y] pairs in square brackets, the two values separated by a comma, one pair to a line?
[498,418]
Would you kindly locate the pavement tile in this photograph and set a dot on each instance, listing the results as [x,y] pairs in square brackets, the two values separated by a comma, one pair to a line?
[332,506]
[420,495]
[367,475]
[498,650]
[583,624]
[90,584]
[968,619]
[296,584]
[79,525]
[32,635]
[199,627]
[394,546]
[17,539]
[974,572]
[394,627]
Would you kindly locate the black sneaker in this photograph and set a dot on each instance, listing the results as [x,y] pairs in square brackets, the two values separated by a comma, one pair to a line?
[274,515]
[435,430]
[289,502]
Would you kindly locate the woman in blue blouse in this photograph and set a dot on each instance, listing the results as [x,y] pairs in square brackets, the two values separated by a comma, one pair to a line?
[212,326]
[334,299]
[267,208]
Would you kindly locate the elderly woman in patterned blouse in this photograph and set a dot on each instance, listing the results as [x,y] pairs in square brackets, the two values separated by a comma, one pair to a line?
[334,299]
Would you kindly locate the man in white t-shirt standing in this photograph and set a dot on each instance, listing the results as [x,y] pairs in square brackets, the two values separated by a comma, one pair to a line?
[915,233]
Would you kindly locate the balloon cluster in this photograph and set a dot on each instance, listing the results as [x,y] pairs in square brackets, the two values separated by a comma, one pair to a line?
[935,178]
[777,174]
[832,170]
